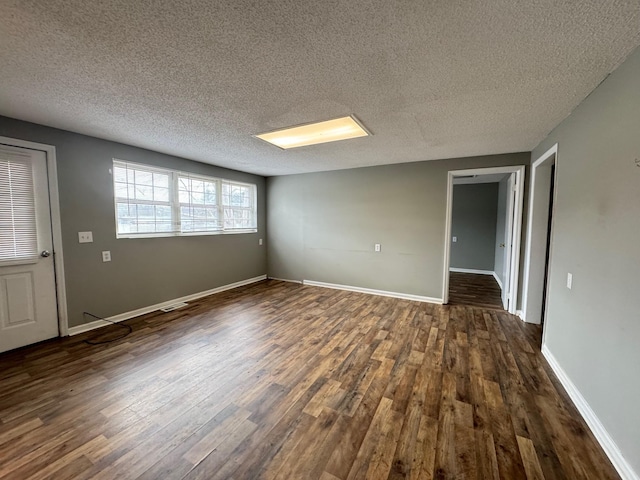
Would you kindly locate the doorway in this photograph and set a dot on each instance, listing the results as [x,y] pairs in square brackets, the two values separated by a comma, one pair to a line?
[504,246]
[539,243]
[31,281]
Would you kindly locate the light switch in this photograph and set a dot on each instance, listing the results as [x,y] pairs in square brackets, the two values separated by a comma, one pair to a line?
[106,256]
[454,239]
[569,280]
[377,247]
[85,237]
[260,241]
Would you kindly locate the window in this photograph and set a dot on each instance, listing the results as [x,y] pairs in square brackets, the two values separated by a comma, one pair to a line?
[142,199]
[237,203]
[157,202]
[199,199]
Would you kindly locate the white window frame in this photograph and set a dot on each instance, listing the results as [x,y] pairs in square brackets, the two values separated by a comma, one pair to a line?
[253,208]
[168,203]
[174,203]
[177,204]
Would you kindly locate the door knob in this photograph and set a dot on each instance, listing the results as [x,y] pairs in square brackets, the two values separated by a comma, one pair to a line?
[45,253]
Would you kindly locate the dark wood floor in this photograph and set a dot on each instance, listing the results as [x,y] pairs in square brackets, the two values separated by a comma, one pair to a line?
[279,380]
[475,290]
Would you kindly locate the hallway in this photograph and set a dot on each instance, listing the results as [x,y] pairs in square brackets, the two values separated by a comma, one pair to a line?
[474,290]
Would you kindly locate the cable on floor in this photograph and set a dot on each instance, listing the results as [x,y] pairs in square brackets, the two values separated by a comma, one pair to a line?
[127,327]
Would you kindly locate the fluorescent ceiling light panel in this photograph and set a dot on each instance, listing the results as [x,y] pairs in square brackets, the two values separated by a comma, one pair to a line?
[313,133]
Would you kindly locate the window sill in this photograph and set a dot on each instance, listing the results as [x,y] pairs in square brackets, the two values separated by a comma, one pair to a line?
[183,234]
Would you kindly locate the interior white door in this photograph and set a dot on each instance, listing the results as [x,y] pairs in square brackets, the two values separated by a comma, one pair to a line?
[28,307]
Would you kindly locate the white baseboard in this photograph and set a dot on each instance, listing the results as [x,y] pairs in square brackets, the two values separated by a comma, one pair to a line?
[471,270]
[520,314]
[370,291]
[152,308]
[602,436]
[285,280]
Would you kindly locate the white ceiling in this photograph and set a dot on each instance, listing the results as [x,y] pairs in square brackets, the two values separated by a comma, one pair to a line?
[196,78]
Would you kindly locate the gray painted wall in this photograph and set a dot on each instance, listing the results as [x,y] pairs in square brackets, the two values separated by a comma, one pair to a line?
[143,271]
[593,330]
[323,226]
[473,222]
[501,230]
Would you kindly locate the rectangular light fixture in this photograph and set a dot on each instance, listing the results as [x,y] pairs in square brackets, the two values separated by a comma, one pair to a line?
[313,133]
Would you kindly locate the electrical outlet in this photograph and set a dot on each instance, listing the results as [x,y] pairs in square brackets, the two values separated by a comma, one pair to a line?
[569,280]
[455,239]
[106,256]
[260,241]
[377,247]
[85,237]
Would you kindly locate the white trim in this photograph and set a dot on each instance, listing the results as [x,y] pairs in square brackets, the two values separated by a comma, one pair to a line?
[285,280]
[599,431]
[471,270]
[553,151]
[520,313]
[519,171]
[174,201]
[371,291]
[498,281]
[447,238]
[508,251]
[486,171]
[132,236]
[56,225]
[515,242]
[152,308]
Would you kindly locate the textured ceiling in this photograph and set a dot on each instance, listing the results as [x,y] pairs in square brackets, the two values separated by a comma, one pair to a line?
[196,78]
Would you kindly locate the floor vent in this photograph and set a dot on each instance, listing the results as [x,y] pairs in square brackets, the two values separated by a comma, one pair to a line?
[175,306]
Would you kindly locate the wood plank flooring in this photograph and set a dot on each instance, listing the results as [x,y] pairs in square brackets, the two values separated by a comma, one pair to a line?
[474,290]
[279,380]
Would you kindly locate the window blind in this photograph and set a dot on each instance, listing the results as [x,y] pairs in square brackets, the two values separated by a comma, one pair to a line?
[18,231]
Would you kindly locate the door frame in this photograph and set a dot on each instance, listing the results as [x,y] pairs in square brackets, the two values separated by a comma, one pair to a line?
[519,170]
[552,152]
[509,224]
[56,225]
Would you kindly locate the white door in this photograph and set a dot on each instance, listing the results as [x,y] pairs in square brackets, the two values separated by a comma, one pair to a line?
[28,307]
